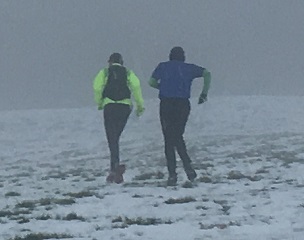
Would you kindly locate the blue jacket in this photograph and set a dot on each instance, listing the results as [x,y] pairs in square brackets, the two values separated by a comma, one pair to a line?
[174,78]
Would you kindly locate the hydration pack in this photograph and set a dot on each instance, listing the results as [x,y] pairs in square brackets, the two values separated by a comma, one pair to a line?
[117,84]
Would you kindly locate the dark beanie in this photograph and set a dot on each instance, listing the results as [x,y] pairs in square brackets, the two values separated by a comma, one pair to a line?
[116,58]
[177,53]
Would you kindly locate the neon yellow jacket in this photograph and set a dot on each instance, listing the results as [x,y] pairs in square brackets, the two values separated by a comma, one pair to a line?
[133,84]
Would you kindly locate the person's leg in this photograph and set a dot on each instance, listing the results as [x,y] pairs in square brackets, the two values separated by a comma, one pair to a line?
[111,133]
[167,122]
[123,113]
[116,117]
[183,108]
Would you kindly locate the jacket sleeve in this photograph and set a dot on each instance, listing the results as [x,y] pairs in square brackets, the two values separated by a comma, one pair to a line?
[154,83]
[207,81]
[135,88]
[98,86]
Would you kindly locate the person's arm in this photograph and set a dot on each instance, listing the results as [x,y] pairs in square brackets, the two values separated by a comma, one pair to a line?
[98,86]
[154,83]
[156,76]
[135,88]
[206,87]
[207,81]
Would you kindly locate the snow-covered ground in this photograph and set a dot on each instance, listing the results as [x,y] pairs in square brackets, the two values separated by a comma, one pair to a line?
[248,152]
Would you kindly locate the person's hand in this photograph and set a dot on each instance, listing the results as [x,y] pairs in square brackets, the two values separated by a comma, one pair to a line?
[100,105]
[202,98]
[139,111]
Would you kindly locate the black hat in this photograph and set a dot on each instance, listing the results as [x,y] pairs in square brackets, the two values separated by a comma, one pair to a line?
[177,53]
[116,58]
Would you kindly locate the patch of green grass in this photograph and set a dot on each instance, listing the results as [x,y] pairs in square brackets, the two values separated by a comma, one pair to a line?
[187,184]
[201,208]
[221,202]
[204,166]
[45,201]
[137,196]
[75,172]
[64,201]
[81,194]
[123,222]
[44,217]
[90,179]
[16,180]
[12,194]
[226,209]
[45,178]
[141,196]
[100,228]
[180,200]
[73,216]
[287,157]
[22,220]
[24,174]
[12,215]
[31,204]
[117,219]
[98,174]
[26,204]
[262,171]
[136,184]
[255,178]
[235,175]
[142,221]
[205,179]
[217,225]
[48,208]
[2,222]
[56,175]
[5,213]
[151,175]
[42,236]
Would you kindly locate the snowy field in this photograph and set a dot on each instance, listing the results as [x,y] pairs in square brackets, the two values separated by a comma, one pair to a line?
[248,152]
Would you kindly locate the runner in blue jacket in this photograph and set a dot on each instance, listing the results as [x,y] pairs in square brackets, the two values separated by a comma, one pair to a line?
[173,79]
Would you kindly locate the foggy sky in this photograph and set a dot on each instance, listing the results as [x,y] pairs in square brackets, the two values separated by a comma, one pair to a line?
[51,50]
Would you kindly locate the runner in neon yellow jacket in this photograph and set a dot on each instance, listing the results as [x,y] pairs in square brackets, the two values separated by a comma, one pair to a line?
[113,87]
[133,84]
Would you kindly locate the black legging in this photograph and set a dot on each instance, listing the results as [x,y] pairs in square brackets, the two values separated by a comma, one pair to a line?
[174,113]
[115,119]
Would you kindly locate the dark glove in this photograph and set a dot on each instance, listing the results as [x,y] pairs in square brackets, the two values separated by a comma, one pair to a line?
[202,98]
